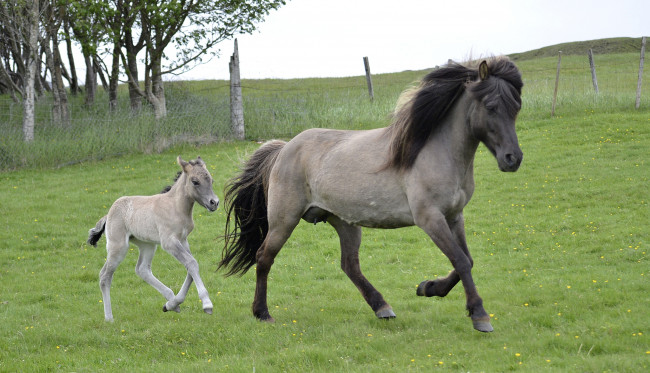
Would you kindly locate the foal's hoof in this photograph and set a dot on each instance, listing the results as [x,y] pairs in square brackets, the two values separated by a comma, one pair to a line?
[483,325]
[208,311]
[176,309]
[385,313]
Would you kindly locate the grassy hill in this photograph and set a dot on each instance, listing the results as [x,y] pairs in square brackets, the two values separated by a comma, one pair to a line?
[599,46]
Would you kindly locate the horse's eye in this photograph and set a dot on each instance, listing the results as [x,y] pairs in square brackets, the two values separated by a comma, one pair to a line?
[195,182]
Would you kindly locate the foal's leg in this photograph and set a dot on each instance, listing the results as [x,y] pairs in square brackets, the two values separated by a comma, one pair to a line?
[181,251]
[116,251]
[441,286]
[434,223]
[143,269]
[350,237]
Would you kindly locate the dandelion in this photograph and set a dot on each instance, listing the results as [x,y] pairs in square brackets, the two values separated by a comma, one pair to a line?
[517,354]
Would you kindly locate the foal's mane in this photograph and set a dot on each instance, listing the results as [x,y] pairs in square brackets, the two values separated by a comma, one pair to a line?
[178,176]
[421,109]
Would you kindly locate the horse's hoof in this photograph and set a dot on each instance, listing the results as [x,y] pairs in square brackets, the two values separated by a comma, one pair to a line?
[482,325]
[208,311]
[421,291]
[385,313]
[269,320]
[164,308]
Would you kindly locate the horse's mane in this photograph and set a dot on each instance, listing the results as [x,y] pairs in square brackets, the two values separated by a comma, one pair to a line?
[422,108]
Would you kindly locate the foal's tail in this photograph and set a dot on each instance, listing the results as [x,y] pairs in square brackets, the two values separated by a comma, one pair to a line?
[245,198]
[95,233]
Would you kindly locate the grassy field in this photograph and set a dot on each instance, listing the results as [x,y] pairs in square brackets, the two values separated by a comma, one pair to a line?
[560,251]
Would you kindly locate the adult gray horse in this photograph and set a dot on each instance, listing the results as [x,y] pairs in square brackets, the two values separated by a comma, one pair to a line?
[163,219]
[418,171]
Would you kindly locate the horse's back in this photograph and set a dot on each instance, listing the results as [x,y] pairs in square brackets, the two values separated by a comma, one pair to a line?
[341,172]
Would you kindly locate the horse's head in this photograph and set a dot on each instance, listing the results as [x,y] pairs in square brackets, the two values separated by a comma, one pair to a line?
[497,96]
[198,183]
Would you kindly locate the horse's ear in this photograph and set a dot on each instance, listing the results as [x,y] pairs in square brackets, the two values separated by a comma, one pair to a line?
[483,71]
[184,165]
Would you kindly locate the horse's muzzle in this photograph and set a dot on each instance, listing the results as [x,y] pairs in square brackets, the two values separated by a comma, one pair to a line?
[510,161]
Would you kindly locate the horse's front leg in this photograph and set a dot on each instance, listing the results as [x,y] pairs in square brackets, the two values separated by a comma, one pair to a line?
[181,251]
[441,286]
[434,223]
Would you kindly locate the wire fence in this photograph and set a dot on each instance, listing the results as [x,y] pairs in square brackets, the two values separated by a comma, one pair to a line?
[198,112]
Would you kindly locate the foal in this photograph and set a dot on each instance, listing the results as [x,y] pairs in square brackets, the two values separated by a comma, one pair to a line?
[147,221]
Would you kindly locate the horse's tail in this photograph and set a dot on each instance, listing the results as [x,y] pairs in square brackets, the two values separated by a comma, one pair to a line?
[245,199]
[95,233]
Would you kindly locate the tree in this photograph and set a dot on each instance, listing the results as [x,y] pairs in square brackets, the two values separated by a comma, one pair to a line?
[193,28]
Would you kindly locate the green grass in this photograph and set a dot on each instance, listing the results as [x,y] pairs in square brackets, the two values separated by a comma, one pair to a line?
[560,247]
[560,250]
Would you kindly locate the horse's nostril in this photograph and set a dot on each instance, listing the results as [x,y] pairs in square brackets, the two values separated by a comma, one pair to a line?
[511,160]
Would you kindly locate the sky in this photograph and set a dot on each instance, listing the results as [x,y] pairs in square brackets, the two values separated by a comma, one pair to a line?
[329,38]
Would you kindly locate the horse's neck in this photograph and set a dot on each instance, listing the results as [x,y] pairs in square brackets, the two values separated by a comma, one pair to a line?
[181,201]
[456,137]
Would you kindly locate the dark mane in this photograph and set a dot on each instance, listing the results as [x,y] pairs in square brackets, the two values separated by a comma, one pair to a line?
[423,108]
[169,187]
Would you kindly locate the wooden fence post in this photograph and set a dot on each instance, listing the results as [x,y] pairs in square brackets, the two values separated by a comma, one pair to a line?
[557,81]
[593,70]
[236,101]
[371,91]
[638,84]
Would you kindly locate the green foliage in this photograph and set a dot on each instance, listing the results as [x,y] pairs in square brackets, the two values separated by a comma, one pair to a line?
[560,247]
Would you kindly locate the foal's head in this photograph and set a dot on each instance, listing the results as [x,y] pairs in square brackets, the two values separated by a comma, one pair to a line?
[197,183]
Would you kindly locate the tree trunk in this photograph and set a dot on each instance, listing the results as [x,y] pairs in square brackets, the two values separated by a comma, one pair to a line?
[113,78]
[132,66]
[156,96]
[91,81]
[74,81]
[64,111]
[30,76]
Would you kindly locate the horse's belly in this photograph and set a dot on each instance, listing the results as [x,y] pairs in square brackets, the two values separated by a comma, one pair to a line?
[380,212]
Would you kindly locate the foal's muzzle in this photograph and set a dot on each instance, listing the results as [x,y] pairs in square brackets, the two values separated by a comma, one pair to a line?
[212,205]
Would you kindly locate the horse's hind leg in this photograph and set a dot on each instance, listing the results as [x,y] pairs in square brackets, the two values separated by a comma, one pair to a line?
[143,269]
[350,237]
[266,254]
[116,251]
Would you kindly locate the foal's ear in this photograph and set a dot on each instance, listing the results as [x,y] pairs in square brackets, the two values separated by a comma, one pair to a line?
[184,165]
[483,71]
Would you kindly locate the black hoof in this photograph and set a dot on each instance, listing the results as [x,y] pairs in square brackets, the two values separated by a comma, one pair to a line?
[164,308]
[426,288]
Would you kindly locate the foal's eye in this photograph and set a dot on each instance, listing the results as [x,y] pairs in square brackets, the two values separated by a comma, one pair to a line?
[195,182]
